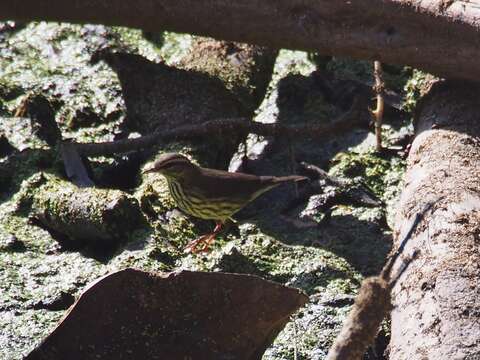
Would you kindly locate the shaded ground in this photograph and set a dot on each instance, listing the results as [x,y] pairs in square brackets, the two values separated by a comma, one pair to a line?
[39,278]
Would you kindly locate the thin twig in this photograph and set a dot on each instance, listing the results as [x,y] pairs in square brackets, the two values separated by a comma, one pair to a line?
[378,88]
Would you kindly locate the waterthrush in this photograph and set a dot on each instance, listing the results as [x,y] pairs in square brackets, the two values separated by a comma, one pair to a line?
[211,194]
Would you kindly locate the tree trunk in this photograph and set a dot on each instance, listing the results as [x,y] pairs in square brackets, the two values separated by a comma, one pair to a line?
[437,300]
[438,36]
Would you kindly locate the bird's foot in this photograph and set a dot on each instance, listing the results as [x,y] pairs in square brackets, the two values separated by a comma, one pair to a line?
[203,243]
[200,245]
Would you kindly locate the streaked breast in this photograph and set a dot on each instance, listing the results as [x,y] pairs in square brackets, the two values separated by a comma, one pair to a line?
[205,208]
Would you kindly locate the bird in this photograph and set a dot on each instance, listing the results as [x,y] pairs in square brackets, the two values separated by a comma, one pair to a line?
[211,194]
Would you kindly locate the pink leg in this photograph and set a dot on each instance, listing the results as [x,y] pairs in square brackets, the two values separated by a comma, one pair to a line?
[218,227]
[203,243]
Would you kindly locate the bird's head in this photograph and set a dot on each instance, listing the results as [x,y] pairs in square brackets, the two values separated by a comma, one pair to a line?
[172,166]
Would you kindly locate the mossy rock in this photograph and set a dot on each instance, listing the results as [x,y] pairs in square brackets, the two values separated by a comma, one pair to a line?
[85,215]
[244,69]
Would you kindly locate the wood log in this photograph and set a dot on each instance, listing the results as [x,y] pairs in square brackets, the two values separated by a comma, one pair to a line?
[438,36]
[437,301]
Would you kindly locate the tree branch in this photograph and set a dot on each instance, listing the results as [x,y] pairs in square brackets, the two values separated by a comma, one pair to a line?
[348,120]
[437,36]
[441,287]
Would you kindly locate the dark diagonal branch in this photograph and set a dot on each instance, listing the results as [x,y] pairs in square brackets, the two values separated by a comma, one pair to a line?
[223,127]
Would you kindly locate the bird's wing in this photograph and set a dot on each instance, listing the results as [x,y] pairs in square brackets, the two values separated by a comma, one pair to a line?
[225,184]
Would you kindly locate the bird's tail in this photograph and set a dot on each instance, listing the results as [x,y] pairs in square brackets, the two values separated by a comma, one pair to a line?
[273,181]
[294,178]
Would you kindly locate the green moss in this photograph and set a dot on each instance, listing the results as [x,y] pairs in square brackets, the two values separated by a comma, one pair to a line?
[54,60]
[78,214]
[345,68]
[28,277]
[415,87]
[378,173]
[306,267]
[175,46]
[395,77]
[133,40]
[291,61]
[17,324]
[324,276]
[245,70]
[9,90]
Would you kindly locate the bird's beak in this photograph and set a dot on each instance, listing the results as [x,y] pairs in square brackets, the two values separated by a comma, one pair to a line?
[149,170]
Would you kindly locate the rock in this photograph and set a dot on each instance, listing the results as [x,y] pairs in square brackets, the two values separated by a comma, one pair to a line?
[184,315]
[244,69]
[85,215]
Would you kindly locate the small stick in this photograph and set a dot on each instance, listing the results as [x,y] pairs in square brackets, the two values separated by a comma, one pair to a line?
[379,89]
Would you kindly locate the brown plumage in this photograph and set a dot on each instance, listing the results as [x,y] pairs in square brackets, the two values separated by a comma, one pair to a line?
[210,193]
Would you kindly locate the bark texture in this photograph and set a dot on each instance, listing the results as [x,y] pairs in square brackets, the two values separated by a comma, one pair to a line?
[437,301]
[438,36]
